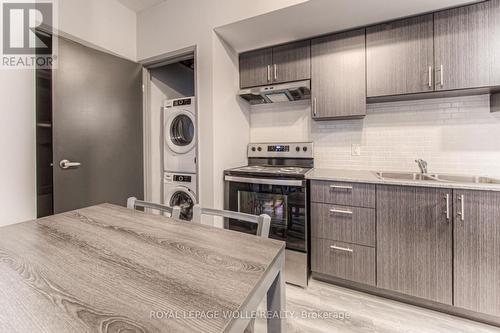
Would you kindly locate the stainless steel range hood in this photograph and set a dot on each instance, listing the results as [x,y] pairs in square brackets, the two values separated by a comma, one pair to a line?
[286,92]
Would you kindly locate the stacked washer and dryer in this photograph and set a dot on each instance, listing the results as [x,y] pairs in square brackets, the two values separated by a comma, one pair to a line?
[180,145]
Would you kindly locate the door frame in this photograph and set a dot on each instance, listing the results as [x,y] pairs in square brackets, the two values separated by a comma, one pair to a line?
[148,64]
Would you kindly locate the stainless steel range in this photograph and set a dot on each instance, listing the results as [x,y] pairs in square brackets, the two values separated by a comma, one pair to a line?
[274,183]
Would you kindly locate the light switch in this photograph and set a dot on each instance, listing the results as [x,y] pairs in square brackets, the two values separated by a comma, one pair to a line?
[355,149]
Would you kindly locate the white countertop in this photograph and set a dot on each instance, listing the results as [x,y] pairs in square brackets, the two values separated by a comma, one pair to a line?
[370,177]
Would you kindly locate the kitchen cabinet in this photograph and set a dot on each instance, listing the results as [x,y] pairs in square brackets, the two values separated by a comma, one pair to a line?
[284,63]
[292,62]
[477,251]
[400,57]
[414,241]
[467,46]
[338,77]
[343,260]
[255,68]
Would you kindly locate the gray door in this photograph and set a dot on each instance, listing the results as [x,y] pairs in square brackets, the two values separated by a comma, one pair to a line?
[97,116]
[400,57]
[467,46]
[255,68]
[414,242]
[477,251]
[339,76]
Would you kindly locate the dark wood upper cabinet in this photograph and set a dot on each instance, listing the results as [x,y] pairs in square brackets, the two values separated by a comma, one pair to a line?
[338,79]
[292,62]
[477,251]
[284,63]
[255,68]
[400,57]
[414,241]
[467,46]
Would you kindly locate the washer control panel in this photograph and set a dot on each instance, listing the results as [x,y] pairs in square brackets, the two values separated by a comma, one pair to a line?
[179,178]
[289,150]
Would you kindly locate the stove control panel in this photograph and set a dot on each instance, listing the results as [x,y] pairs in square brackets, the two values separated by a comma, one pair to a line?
[284,150]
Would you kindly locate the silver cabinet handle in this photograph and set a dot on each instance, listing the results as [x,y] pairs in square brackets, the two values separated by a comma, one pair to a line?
[462,207]
[339,248]
[275,72]
[430,76]
[442,76]
[65,164]
[341,211]
[315,105]
[447,198]
[340,187]
[268,73]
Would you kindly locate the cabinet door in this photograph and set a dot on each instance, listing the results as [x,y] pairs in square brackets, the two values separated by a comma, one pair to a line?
[467,46]
[255,68]
[292,62]
[339,76]
[400,57]
[477,251]
[414,242]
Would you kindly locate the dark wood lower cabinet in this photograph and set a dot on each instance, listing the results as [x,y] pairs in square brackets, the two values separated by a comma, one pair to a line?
[477,251]
[435,247]
[343,260]
[414,242]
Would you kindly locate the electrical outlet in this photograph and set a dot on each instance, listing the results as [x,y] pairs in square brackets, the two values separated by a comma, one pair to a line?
[355,149]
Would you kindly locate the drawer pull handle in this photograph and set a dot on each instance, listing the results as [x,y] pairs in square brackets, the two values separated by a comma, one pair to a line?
[340,187]
[344,249]
[341,211]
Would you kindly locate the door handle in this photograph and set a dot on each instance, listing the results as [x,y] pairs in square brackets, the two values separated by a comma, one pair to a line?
[339,248]
[430,76]
[275,72]
[341,211]
[447,212]
[65,164]
[461,213]
[268,73]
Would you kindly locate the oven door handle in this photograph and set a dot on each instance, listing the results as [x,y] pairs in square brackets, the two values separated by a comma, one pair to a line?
[264,181]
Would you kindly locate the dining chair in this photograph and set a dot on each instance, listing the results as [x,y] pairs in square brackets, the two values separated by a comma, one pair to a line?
[263,221]
[134,203]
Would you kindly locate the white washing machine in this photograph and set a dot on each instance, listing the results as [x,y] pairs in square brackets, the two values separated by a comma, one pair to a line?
[179,189]
[179,132]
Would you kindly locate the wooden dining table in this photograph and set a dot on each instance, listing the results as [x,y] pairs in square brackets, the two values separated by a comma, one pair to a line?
[106,268]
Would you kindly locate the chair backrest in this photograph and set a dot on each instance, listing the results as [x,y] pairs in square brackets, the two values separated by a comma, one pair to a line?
[263,221]
[133,203]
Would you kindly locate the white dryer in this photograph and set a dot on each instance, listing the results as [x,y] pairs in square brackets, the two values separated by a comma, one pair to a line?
[180,139]
[179,189]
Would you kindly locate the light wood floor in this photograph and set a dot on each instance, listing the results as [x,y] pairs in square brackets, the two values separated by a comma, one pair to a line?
[368,314]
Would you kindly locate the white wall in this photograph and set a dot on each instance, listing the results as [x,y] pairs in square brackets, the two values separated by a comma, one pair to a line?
[455,135]
[105,24]
[17,146]
[223,119]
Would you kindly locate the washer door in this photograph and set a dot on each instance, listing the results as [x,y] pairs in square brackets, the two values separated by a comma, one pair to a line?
[180,131]
[185,199]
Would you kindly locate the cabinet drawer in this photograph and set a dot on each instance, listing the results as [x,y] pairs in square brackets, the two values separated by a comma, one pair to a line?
[343,260]
[346,194]
[346,224]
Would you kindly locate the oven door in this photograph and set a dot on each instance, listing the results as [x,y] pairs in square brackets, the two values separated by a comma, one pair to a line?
[282,199]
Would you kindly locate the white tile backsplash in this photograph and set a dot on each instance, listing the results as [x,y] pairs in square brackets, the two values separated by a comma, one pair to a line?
[455,135]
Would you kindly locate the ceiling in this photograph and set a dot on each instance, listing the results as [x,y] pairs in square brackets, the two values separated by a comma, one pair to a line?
[318,17]
[140,5]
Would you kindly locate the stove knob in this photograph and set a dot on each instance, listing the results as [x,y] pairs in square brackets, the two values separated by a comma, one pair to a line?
[259,149]
[297,149]
[305,148]
[253,149]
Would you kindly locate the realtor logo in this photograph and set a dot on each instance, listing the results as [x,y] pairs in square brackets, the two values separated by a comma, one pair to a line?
[27,34]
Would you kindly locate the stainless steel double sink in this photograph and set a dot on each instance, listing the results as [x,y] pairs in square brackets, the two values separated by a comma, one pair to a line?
[436,177]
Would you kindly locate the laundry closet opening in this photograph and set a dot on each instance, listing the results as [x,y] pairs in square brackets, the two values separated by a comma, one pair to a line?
[171,133]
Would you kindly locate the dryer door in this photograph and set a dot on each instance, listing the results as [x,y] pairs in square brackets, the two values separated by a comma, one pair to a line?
[184,198]
[180,131]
